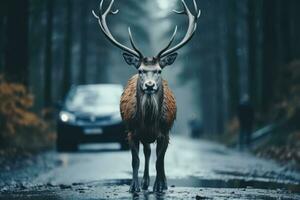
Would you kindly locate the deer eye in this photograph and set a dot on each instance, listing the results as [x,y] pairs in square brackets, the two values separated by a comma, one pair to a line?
[141,71]
[157,71]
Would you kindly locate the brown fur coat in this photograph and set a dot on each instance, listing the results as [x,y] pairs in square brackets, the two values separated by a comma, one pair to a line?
[128,106]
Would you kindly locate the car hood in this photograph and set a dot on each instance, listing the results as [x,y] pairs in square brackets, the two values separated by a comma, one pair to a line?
[96,111]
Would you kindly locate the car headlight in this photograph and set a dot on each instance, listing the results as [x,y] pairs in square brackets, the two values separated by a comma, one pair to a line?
[66,116]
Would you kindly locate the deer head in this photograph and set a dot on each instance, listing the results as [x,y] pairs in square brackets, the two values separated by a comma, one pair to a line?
[150,67]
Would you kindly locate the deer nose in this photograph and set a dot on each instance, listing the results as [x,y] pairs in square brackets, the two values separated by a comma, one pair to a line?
[150,85]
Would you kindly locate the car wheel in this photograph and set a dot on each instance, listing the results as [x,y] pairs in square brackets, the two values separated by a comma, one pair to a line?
[65,145]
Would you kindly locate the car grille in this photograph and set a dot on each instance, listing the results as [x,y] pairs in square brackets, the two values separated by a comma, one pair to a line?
[92,119]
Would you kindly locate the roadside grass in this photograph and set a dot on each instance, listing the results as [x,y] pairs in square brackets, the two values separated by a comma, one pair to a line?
[283,147]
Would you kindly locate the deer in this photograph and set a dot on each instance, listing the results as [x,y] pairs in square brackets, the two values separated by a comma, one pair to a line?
[148,106]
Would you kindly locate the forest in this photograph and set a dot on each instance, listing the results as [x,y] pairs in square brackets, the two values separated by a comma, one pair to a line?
[242,47]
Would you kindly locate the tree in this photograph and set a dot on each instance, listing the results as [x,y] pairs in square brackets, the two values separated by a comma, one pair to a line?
[67,47]
[296,28]
[270,56]
[16,47]
[83,41]
[285,30]
[254,52]
[232,60]
[48,54]
[2,15]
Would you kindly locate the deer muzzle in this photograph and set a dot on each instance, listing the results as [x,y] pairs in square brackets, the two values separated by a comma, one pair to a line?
[150,87]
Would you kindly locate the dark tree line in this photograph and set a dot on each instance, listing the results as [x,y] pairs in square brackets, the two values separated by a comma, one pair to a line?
[48,52]
[67,46]
[50,45]
[242,48]
[14,23]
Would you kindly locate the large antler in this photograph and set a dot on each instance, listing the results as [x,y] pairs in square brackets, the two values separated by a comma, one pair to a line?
[193,17]
[103,25]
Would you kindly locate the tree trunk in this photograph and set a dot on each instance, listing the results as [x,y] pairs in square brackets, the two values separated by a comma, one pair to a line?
[253,53]
[232,56]
[16,47]
[251,42]
[270,58]
[68,48]
[48,55]
[2,15]
[222,72]
[285,30]
[296,29]
[83,42]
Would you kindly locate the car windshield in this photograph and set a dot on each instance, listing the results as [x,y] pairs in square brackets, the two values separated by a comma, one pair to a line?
[94,95]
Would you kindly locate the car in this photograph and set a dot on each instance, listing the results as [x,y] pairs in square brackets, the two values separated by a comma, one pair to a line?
[90,114]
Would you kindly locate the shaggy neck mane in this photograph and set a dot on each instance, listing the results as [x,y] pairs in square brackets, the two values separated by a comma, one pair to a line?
[149,107]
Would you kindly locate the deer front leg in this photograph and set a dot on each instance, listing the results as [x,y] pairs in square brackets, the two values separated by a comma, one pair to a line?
[134,145]
[160,183]
[146,177]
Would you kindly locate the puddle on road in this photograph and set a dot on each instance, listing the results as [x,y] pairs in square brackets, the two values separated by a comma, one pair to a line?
[188,188]
[254,175]
[231,183]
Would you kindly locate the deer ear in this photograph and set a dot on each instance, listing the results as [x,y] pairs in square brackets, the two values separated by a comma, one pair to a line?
[168,60]
[131,60]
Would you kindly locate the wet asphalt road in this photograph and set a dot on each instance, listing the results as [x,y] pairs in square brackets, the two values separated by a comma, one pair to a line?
[195,170]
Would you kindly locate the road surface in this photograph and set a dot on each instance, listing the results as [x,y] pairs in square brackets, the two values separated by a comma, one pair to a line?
[195,170]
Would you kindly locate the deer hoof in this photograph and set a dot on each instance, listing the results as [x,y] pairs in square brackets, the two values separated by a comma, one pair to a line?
[145,183]
[160,185]
[134,187]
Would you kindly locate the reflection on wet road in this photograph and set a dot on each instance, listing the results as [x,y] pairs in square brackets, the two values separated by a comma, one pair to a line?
[195,169]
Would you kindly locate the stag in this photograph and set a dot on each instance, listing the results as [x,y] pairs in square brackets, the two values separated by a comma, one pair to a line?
[148,106]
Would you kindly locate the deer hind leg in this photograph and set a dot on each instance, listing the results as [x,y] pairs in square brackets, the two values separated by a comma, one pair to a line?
[134,145]
[160,183]
[146,177]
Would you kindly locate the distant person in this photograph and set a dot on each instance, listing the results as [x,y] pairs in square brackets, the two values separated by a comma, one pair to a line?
[246,119]
[195,128]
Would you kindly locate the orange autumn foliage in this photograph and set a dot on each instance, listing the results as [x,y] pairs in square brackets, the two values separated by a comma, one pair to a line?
[15,105]
[288,91]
